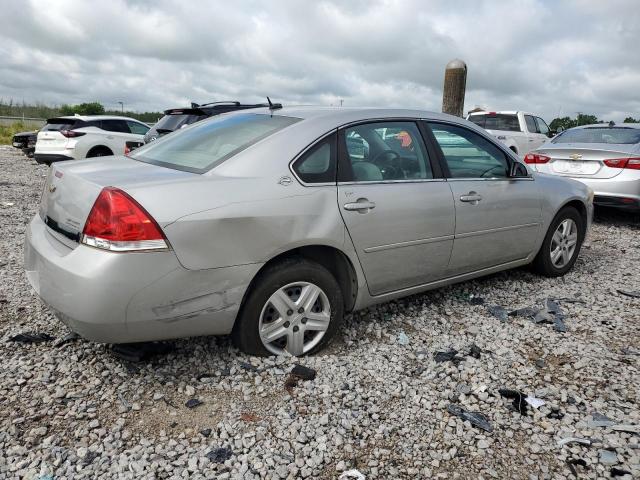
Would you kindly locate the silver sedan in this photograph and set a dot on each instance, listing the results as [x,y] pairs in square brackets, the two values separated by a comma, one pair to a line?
[271,224]
[605,157]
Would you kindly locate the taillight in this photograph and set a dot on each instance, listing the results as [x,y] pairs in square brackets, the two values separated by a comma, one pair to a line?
[127,150]
[118,223]
[71,133]
[535,158]
[630,163]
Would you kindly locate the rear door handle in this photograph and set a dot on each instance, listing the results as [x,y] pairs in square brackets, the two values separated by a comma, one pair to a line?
[471,197]
[361,205]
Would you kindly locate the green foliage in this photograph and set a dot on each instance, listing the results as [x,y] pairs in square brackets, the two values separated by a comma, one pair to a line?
[563,123]
[631,120]
[567,122]
[8,131]
[93,108]
[9,108]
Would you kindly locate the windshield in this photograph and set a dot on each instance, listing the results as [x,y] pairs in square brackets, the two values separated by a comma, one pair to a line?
[499,121]
[618,135]
[206,144]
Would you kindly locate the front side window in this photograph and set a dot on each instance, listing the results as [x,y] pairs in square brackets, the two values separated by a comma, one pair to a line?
[137,128]
[531,124]
[382,151]
[542,126]
[469,155]
[318,164]
[206,144]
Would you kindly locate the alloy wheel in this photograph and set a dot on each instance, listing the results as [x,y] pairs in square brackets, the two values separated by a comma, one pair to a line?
[294,319]
[564,243]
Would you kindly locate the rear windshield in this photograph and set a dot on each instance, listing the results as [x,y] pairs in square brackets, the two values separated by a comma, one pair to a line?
[619,135]
[207,144]
[174,122]
[499,121]
[56,124]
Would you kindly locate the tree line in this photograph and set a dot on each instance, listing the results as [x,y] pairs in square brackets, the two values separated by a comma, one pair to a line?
[565,123]
[10,108]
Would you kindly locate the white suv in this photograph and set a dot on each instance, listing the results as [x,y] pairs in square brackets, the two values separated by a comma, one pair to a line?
[77,137]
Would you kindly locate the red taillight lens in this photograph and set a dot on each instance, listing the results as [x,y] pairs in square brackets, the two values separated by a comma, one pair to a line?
[630,163]
[72,133]
[127,150]
[535,158]
[118,223]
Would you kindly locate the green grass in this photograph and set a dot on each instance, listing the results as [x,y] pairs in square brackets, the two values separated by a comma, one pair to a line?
[8,131]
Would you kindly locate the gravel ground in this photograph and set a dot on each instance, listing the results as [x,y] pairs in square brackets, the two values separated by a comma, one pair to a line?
[378,403]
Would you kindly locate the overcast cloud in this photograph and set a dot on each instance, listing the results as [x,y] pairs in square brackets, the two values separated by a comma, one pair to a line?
[547,57]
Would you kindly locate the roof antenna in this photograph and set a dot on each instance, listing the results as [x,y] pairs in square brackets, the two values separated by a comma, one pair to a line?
[273,106]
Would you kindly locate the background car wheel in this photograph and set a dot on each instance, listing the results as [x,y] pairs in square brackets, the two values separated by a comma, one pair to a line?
[99,152]
[294,307]
[561,245]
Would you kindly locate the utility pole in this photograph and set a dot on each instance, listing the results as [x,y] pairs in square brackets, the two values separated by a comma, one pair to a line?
[455,84]
[121,106]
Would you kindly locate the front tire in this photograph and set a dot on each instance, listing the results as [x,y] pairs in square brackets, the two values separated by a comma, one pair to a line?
[561,245]
[294,307]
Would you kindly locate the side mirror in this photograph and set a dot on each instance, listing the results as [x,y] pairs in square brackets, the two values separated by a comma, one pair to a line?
[551,133]
[518,170]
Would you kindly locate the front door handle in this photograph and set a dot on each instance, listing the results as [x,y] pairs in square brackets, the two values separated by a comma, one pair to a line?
[472,197]
[361,205]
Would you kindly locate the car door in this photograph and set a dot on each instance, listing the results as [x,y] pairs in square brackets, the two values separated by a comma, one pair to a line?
[396,206]
[498,218]
[118,133]
[535,137]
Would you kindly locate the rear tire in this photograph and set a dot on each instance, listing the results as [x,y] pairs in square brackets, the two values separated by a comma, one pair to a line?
[99,152]
[286,283]
[556,256]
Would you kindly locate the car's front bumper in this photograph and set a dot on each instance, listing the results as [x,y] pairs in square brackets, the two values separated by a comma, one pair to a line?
[49,158]
[131,297]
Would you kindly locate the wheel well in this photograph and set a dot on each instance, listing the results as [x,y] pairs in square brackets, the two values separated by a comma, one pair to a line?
[98,148]
[332,259]
[582,210]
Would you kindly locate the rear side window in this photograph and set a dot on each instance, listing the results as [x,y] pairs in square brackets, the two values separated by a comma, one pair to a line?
[500,121]
[318,164]
[531,124]
[115,126]
[209,143]
[619,135]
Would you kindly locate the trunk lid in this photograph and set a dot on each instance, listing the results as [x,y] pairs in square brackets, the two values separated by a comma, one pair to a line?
[576,160]
[72,188]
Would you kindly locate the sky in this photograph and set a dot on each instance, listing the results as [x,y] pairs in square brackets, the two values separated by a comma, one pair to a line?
[551,58]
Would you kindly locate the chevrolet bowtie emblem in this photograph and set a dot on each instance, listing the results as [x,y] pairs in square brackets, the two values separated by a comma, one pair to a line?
[575,156]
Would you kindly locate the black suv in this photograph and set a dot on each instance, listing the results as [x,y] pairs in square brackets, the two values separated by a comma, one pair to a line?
[176,118]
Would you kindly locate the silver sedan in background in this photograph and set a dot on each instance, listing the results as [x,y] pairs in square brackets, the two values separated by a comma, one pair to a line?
[604,156]
[271,224]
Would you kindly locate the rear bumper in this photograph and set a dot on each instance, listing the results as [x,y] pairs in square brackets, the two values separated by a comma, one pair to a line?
[621,191]
[131,297]
[625,203]
[49,158]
